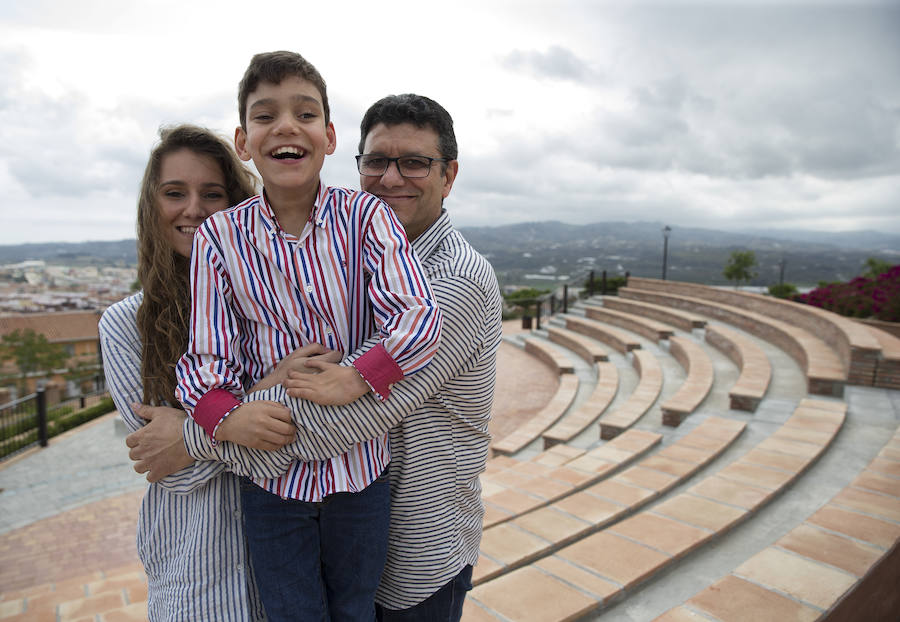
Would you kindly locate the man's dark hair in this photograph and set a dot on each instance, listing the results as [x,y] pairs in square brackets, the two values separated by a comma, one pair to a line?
[416,109]
[273,67]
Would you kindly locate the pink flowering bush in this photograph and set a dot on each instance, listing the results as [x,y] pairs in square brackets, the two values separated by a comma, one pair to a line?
[877,297]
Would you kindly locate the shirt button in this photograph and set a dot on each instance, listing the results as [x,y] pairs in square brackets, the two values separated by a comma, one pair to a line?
[309,288]
[240,567]
[236,514]
[328,330]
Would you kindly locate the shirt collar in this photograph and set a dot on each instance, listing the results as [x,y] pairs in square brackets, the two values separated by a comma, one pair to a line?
[318,215]
[431,238]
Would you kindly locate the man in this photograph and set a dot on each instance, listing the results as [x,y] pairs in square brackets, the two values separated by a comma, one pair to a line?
[438,418]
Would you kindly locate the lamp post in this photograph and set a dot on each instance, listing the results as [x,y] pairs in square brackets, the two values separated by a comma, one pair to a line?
[665,231]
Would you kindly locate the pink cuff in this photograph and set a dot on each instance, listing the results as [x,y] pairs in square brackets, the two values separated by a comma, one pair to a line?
[379,370]
[212,408]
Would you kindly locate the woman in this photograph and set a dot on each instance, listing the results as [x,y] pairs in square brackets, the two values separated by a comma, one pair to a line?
[190,536]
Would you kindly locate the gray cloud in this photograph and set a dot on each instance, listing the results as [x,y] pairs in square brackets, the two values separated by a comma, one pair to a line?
[556,63]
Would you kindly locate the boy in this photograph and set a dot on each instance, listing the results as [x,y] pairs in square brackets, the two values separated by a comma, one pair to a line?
[304,263]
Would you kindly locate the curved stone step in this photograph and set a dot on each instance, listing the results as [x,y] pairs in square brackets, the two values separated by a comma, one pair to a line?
[756,370]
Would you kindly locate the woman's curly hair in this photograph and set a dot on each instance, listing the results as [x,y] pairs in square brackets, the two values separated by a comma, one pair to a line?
[162,318]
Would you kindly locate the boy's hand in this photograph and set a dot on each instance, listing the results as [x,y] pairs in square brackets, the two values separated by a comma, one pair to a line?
[296,361]
[260,425]
[158,448]
[333,385]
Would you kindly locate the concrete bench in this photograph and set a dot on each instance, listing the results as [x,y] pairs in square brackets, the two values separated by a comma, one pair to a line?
[549,355]
[589,411]
[651,329]
[817,569]
[823,368]
[587,569]
[696,386]
[858,350]
[679,319]
[641,399]
[543,419]
[540,532]
[619,340]
[756,369]
[587,348]
[529,484]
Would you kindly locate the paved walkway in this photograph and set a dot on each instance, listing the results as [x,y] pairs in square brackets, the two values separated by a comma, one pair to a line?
[68,512]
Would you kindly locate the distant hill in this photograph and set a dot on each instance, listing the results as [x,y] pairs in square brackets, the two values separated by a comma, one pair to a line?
[551,250]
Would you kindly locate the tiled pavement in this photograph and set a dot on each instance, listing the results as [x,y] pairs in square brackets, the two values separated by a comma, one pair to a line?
[68,512]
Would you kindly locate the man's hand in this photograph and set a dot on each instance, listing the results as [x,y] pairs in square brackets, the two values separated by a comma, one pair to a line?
[296,361]
[333,385]
[261,425]
[158,448]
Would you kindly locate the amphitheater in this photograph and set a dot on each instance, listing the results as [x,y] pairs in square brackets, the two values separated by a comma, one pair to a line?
[674,453]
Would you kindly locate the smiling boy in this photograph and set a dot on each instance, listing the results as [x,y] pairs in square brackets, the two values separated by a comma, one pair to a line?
[304,263]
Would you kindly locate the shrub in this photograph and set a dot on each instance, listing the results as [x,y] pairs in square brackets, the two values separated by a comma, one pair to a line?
[782,290]
[877,297]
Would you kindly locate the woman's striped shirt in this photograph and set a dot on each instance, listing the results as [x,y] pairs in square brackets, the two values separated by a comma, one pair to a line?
[190,534]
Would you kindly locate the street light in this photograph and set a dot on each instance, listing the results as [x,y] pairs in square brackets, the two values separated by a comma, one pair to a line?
[665,231]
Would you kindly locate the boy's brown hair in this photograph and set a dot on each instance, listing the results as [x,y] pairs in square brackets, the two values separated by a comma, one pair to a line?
[273,67]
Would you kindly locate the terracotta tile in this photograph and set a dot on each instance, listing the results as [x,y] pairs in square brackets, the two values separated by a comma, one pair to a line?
[711,446]
[856,525]
[793,448]
[485,568]
[869,502]
[116,584]
[490,487]
[621,492]
[91,605]
[499,463]
[552,525]
[572,476]
[886,467]
[12,607]
[527,595]
[777,460]
[62,594]
[589,508]
[659,532]
[635,440]
[700,512]
[876,482]
[508,544]
[681,614]
[494,515]
[616,559]
[546,488]
[136,612]
[799,577]
[136,593]
[530,467]
[719,428]
[736,600]
[514,501]
[685,454]
[473,612]
[733,493]
[814,421]
[832,549]
[510,478]
[609,453]
[890,453]
[647,478]
[45,615]
[599,588]
[805,435]
[678,468]
[588,465]
[754,475]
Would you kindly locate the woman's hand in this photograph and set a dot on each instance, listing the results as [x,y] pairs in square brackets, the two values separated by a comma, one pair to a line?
[296,361]
[332,385]
[158,447]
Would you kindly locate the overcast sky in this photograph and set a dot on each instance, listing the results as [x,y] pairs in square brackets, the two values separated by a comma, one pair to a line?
[718,114]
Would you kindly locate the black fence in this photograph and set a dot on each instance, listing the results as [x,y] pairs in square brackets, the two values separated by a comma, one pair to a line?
[549,304]
[27,421]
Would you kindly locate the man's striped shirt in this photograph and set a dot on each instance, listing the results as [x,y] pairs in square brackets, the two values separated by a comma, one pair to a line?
[438,421]
[259,293]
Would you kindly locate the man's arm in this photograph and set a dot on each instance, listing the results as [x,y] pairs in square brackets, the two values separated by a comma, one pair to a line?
[471,323]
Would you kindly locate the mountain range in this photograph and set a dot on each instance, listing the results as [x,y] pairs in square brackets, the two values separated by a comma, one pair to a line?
[546,253]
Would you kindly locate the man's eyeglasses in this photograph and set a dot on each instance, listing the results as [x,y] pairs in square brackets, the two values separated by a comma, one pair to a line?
[372,165]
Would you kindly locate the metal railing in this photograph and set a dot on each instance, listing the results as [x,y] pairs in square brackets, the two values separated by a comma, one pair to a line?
[549,304]
[25,422]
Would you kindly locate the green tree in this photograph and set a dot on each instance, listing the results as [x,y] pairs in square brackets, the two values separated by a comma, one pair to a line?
[782,290]
[740,267]
[31,353]
[875,267]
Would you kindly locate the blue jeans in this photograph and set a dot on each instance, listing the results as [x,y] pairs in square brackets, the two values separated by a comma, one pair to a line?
[445,605]
[318,561]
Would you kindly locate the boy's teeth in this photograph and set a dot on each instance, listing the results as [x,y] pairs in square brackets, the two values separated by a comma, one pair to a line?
[287,151]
